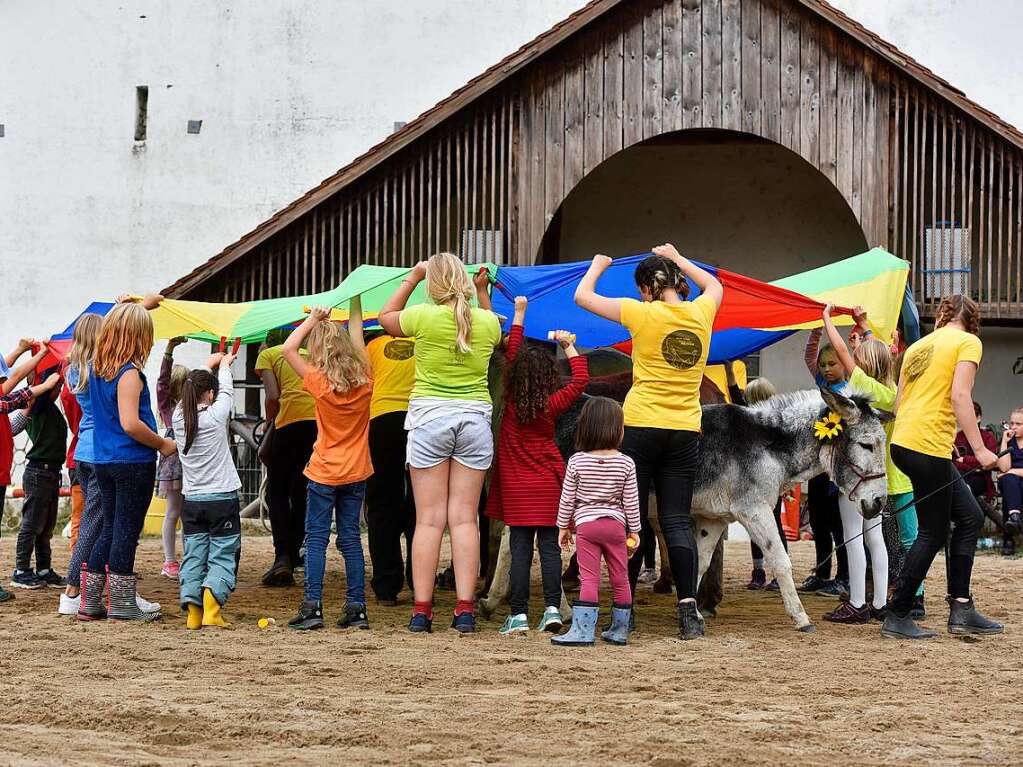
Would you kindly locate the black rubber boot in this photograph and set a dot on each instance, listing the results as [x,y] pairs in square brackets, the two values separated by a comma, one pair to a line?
[918,612]
[690,622]
[963,618]
[903,627]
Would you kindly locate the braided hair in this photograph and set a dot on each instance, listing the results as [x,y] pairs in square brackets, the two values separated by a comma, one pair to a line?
[958,307]
[657,274]
[531,379]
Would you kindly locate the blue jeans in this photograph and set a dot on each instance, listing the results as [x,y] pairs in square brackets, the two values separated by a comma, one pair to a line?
[125,491]
[212,537]
[345,501]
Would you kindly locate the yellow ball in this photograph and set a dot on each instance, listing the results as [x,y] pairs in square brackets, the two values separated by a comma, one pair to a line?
[631,543]
[263,623]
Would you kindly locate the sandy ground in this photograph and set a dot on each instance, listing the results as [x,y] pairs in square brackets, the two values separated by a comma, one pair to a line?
[754,691]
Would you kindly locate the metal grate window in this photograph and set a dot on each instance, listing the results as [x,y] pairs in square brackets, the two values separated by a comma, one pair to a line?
[946,260]
[481,246]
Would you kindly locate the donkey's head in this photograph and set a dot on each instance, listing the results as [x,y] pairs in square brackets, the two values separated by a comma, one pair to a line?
[855,460]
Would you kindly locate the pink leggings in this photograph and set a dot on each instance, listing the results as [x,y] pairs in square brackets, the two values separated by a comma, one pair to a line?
[602,536]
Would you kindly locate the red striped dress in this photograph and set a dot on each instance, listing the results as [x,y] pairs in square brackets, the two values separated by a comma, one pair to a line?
[525,484]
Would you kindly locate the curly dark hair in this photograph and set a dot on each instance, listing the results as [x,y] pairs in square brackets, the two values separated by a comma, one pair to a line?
[531,378]
[656,273]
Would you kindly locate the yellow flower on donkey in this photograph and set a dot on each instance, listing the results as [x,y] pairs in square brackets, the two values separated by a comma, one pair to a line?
[828,427]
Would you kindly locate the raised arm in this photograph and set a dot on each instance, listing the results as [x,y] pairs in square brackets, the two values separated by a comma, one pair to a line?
[291,349]
[586,295]
[734,391]
[705,281]
[481,280]
[837,342]
[563,398]
[1005,462]
[517,334]
[813,344]
[21,372]
[23,346]
[355,329]
[163,403]
[390,313]
[962,404]
[223,405]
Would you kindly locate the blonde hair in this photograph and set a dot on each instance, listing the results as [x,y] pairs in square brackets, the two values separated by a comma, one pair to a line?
[758,390]
[126,337]
[332,353]
[178,376]
[447,282]
[83,347]
[874,358]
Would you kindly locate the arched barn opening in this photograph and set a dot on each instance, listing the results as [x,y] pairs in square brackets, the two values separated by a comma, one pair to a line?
[727,198]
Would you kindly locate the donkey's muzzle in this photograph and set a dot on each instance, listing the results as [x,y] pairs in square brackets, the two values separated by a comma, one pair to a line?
[871,507]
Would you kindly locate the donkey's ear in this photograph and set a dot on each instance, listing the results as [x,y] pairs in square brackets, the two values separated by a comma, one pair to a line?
[883,415]
[841,404]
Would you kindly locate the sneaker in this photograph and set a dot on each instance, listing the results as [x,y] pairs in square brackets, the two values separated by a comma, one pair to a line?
[879,613]
[5,595]
[758,580]
[811,585]
[171,569]
[773,585]
[464,623]
[69,605]
[51,578]
[145,605]
[917,611]
[353,617]
[647,575]
[551,621]
[833,588]
[310,616]
[515,624]
[846,613]
[420,623]
[1013,523]
[26,579]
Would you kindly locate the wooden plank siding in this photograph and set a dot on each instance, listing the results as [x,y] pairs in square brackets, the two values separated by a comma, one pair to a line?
[487,181]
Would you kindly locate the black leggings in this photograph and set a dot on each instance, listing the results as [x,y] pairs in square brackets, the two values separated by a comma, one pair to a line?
[521,540]
[953,503]
[755,551]
[390,507]
[826,524]
[286,486]
[667,459]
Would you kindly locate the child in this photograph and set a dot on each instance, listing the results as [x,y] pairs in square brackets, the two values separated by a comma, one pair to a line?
[822,495]
[601,501]
[526,482]
[168,470]
[125,445]
[11,400]
[757,390]
[337,375]
[870,371]
[210,486]
[47,431]
[1011,480]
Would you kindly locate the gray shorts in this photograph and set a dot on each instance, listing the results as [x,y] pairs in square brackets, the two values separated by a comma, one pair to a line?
[466,437]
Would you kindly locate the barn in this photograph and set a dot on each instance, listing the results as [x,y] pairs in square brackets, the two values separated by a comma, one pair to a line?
[764,136]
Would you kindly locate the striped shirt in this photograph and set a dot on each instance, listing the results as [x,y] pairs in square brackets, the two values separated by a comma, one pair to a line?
[599,486]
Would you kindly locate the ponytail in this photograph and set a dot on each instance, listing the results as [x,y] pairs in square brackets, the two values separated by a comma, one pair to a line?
[447,282]
[193,388]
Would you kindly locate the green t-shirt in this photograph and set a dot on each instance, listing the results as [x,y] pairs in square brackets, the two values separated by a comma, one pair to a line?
[441,371]
[883,398]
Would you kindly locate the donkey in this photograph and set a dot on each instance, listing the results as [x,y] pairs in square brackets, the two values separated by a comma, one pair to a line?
[750,456]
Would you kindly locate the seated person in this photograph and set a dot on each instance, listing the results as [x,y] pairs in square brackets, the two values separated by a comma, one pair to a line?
[1010,482]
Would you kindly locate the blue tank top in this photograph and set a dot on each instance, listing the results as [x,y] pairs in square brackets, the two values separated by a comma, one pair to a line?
[1015,453]
[110,443]
[83,450]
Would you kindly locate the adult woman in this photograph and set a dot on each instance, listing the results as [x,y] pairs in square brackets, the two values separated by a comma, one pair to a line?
[125,444]
[293,413]
[935,391]
[670,341]
[450,444]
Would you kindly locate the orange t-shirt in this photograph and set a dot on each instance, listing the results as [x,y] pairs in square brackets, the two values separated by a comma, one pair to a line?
[341,453]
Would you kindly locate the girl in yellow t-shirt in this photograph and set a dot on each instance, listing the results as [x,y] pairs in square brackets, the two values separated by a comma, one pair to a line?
[670,341]
[935,391]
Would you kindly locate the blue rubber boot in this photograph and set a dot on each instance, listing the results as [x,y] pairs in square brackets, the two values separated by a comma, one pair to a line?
[584,626]
[618,632]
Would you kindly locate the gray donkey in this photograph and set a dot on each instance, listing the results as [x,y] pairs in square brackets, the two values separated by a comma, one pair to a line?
[750,456]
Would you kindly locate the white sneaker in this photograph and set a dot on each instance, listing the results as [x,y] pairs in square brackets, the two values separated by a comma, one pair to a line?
[647,575]
[145,606]
[69,605]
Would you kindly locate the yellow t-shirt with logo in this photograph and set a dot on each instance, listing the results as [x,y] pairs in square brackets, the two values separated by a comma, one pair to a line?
[926,422]
[394,373]
[670,343]
[296,404]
